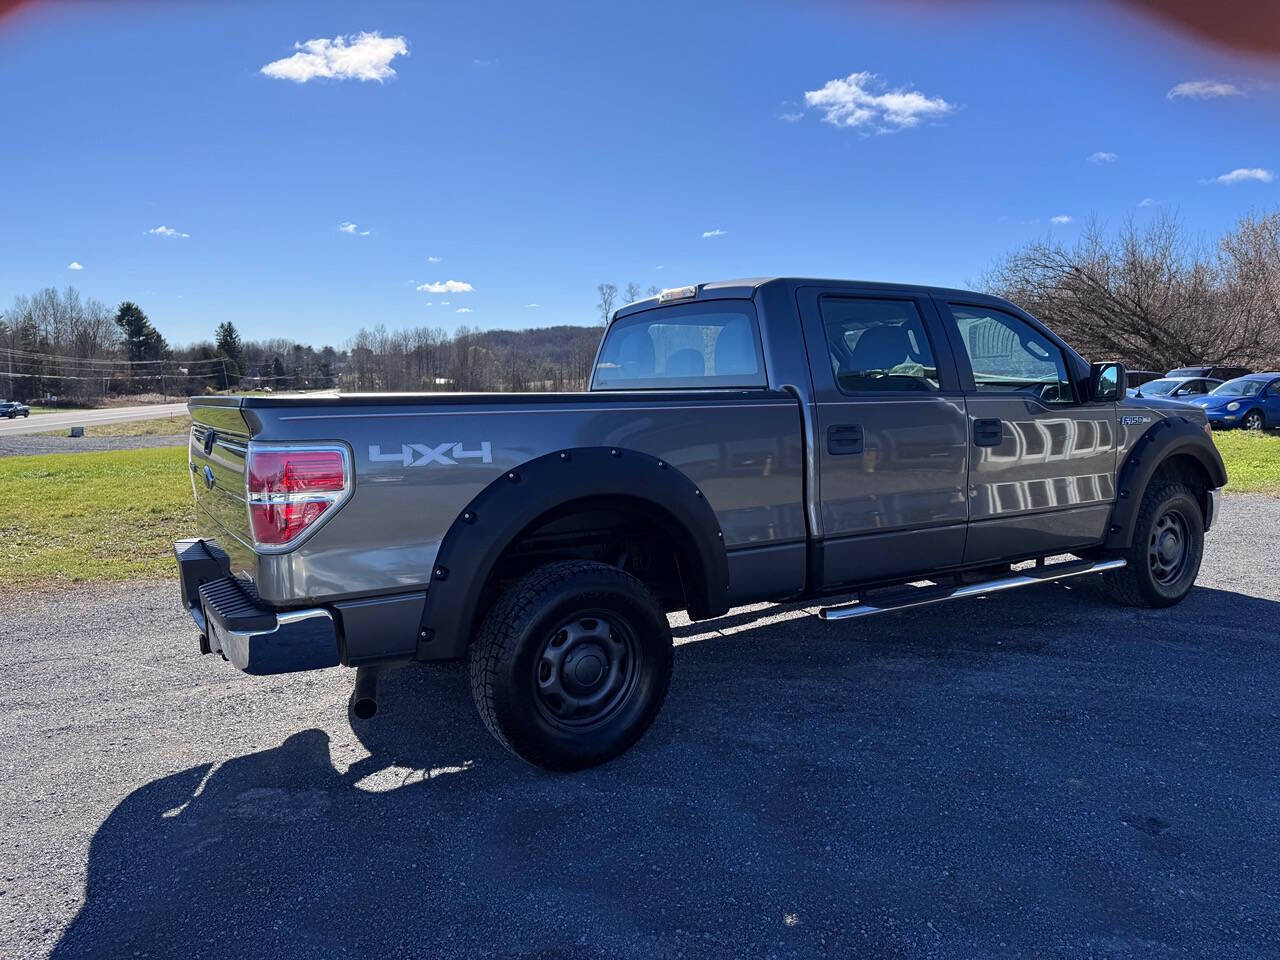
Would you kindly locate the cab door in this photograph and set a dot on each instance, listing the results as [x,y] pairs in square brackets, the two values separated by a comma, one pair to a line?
[891,441]
[1042,459]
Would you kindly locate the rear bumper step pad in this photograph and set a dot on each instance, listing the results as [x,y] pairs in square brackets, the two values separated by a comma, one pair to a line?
[234,622]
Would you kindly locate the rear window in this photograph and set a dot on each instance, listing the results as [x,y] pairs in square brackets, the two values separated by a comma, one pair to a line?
[713,344]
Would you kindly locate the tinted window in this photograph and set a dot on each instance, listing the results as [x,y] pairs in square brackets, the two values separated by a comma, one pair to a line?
[1010,355]
[711,344]
[878,345]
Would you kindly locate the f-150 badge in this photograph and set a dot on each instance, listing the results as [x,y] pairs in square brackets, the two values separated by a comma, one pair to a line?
[1130,421]
[425,454]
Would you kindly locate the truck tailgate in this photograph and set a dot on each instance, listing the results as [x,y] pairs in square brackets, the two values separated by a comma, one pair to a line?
[217,449]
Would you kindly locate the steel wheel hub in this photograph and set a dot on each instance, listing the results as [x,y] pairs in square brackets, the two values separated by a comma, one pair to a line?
[585,669]
[1168,550]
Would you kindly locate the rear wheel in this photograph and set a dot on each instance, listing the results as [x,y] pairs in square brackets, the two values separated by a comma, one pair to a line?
[1252,420]
[571,665]
[1168,544]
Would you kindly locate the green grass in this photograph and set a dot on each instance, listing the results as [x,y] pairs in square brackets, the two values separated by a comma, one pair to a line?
[1252,459]
[163,427]
[93,516]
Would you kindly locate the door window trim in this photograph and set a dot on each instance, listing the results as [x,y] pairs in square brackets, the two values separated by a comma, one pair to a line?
[965,366]
[826,390]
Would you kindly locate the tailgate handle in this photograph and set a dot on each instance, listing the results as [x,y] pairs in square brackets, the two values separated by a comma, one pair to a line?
[844,438]
[987,433]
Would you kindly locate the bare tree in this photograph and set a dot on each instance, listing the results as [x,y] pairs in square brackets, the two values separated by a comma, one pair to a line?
[633,292]
[1148,297]
[608,294]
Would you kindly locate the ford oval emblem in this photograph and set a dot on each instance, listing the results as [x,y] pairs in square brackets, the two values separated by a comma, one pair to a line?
[209,480]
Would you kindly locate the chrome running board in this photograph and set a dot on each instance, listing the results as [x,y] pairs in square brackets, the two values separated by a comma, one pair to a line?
[923,596]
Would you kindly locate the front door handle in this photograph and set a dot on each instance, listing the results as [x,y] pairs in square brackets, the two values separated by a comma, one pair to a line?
[987,433]
[844,438]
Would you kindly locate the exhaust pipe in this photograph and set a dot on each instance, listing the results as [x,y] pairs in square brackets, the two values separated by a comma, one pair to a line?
[364,698]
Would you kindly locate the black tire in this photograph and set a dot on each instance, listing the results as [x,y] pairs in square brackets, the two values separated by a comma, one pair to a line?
[1168,545]
[571,665]
[1252,420]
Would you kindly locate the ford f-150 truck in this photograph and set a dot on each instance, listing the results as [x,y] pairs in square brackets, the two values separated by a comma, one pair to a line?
[869,447]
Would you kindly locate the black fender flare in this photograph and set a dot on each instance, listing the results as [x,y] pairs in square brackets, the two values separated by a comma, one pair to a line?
[504,509]
[1166,438]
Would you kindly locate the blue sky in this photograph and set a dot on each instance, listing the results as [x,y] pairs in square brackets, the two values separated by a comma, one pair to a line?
[538,150]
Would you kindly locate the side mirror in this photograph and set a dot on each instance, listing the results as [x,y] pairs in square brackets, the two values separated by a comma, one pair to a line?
[1105,382]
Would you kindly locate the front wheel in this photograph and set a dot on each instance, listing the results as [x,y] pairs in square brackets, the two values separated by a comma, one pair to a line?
[1168,545]
[1252,420]
[571,665]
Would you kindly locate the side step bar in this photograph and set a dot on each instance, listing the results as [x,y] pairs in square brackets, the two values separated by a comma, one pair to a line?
[923,596]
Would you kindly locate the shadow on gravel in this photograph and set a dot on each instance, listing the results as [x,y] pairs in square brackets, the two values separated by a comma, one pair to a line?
[1043,775]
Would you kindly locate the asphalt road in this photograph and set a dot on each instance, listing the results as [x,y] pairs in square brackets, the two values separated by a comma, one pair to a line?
[1030,775]
[64,420]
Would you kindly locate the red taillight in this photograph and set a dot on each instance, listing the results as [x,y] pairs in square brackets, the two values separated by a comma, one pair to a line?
[288,489]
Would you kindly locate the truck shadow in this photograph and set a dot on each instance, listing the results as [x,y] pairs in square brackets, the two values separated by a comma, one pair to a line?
[989,779]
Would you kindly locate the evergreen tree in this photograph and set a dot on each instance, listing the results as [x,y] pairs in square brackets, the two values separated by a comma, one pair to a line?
[142,340]
[227,341]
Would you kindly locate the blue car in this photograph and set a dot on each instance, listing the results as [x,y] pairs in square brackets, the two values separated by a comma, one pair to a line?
[1251,402]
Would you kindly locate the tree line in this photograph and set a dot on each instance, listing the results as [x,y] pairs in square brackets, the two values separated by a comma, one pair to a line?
[1148,294]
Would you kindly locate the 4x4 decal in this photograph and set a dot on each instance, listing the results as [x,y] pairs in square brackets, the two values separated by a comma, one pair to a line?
[425,454]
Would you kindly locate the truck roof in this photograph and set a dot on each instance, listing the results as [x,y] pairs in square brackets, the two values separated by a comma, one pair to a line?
[745,288]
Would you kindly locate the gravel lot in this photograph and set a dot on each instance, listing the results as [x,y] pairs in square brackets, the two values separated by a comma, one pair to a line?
[1036,774]
[21,446]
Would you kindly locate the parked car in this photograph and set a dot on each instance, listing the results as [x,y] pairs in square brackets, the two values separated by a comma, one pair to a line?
[1136,378]
[1251,402]
[13,409]
[757,440]
[1175,388]
[1216,373]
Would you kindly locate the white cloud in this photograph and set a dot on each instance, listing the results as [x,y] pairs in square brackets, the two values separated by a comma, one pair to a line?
[444,303]
[857,101]
[429,303]
[1102,156]
[163,231]
[1060,219]
[1146,202]
[360,56]
[1241,174]
[348,227]
[433,259]
[75,265]
[717,232]
[448,286]
[791,116]
[1204,90]
[531,306]
[463,310]
[660,267]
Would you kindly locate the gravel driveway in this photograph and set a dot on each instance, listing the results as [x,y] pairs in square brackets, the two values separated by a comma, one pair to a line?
[1035,774]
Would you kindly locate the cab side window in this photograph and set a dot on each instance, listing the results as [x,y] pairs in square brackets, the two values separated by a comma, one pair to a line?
[1009,355]
[878,346]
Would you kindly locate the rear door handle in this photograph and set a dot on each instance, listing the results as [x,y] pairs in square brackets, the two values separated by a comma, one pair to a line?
[844,438]
[987,433]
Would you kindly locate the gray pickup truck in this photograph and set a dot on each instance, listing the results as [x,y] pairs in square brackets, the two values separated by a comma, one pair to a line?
[869,447]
